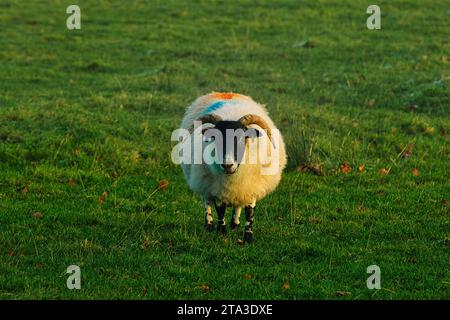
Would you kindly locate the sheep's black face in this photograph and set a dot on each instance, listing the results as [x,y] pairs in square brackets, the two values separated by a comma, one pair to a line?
[230,143]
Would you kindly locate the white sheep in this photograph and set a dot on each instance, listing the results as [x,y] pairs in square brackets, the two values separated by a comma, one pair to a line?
[231,178]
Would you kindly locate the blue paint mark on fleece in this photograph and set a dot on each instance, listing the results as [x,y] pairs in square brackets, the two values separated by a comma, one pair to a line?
[216,106]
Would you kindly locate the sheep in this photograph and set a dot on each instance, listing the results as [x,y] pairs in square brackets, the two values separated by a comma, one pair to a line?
[230,179]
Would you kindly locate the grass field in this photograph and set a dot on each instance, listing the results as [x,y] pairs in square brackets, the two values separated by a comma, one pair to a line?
[85,123]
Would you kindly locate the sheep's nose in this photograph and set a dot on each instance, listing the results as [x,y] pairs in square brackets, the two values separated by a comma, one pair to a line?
[227,166]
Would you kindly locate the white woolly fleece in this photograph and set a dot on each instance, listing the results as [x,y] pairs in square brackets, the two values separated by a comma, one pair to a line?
[247,185]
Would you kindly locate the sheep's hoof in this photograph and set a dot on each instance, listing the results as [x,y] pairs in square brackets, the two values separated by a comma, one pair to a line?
[209,227]
[248,237]
[221,228]
[233,225]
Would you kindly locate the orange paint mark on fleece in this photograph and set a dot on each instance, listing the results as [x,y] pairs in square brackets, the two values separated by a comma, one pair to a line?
[226,95]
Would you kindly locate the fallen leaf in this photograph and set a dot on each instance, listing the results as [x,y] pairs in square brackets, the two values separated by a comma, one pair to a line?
[314,220]
[37,215]
[362,168]
[444,202]
[10,253]
[25,190]
[343,293]
[372,102]
[72,182]
[240,242]
[345,168]
[144,291]
[247,276]
[361,208]
[384,171]
[205,287]
[408,151]
[415,172]
[102,198]
[286,286]
[163,184]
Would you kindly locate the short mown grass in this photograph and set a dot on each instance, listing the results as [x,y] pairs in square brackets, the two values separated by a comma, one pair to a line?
[85,124]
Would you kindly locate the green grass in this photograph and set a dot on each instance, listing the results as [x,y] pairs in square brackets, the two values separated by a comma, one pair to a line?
[92,110]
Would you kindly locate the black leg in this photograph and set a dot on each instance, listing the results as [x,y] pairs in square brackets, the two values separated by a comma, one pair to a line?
[249,216]
[221,218]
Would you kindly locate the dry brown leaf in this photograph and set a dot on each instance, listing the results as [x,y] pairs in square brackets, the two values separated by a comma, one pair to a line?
[345,168]
[72,182]
[247,276]
[205,287]
[408,151]
[286,286]
[314,220]
[444,202]
[361,208]
[102,198]
[25,190]
[240,242]
[343,293]
[362,168]
[163,184]
[384,171]
[37,215]
[372,102]
[415,172]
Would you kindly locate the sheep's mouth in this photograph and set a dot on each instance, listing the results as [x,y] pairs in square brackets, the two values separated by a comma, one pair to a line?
[229,170]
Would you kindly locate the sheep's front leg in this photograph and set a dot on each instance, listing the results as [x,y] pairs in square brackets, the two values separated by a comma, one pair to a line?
[221,208]
[249,216]
[209,221]
[235,221]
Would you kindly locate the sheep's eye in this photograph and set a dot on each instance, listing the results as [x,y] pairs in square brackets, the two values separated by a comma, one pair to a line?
[208,139]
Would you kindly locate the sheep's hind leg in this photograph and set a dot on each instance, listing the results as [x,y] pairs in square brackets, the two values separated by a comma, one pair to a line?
[234,223]
[209,221]
[221,208]
[249,216]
